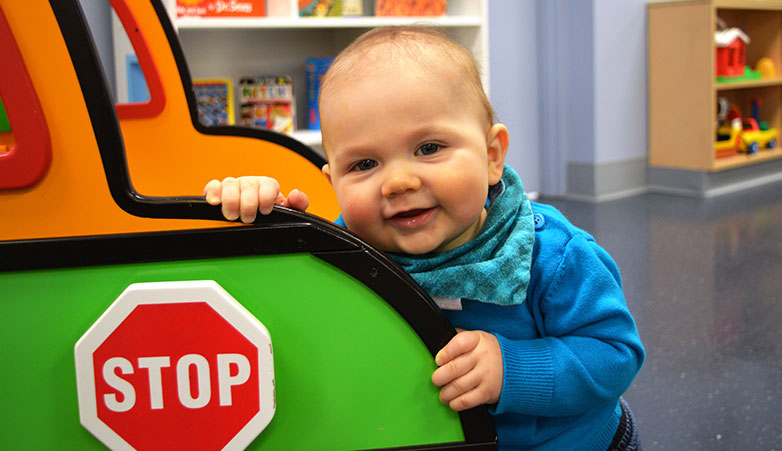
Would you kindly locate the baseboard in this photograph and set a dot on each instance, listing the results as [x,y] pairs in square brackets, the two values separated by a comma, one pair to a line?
[606,181]
[711,184]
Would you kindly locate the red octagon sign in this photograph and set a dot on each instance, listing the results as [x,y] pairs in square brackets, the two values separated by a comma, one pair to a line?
[175,365]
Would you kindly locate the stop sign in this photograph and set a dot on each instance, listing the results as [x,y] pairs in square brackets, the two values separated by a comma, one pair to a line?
[175,365]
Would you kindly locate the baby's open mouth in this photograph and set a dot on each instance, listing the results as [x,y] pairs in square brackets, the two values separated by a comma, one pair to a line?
[411,213]
[414,218]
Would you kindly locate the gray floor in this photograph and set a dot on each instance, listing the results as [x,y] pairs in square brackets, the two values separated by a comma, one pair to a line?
[703,278]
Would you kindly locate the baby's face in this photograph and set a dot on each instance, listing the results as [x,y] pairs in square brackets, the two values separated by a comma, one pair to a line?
[408,160]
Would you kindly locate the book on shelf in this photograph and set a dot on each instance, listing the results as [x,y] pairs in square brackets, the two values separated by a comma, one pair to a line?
[320,8]
[267,101]
[353,8]
[410,7]
[220,8]
[314,69]
[214,101]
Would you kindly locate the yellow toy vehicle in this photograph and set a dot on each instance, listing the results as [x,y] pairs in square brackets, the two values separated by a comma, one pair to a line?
[743,134]
[755,139]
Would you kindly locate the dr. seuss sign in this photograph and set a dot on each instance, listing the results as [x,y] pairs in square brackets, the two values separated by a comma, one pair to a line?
[175,365]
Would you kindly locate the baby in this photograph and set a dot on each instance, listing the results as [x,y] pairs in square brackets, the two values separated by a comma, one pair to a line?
[416,161]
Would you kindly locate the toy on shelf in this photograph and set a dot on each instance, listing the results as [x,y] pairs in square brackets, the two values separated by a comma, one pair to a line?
[731,60]
[728,140]
[753,135]
[757,131]
[215,101]
[765,67]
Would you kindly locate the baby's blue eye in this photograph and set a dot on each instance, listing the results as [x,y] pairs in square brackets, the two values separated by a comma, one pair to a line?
[428,149]
[365,165]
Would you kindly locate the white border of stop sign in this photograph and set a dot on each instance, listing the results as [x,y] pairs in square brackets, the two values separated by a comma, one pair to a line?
[170,293]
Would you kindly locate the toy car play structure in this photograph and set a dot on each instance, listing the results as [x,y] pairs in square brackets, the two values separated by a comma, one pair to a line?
[134,319]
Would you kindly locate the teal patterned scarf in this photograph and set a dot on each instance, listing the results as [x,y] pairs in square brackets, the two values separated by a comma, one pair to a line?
[493,267]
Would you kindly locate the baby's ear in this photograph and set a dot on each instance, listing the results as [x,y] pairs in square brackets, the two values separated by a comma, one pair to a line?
[497,147]
[327,172]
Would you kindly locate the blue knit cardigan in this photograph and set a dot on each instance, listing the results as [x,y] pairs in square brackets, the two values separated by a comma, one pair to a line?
[569,350]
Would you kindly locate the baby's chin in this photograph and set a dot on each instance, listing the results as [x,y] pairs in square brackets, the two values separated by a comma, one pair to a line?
[416,248]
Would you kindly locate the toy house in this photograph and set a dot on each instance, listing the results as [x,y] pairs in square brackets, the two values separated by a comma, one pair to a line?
[731,46]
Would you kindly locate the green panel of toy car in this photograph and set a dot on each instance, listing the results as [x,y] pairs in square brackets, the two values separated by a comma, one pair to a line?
[350,373]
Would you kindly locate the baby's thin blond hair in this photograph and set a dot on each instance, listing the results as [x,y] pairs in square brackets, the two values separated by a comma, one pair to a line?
[418,47]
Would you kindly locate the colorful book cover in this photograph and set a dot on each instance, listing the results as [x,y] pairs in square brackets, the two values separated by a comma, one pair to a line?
[320,8]
[352,8]
[220,8]
[215,101]
[410,7]
[267,101]
[314,69]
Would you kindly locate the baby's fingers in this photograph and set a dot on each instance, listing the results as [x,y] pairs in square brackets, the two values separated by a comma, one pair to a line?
[470,399]
[230,198]
[459,387]
[248,198]
[268,194]
[453,370]
[297,200]
[462,343]
[213,192]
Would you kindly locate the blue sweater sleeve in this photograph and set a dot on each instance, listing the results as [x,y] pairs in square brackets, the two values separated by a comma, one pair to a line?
[589,350]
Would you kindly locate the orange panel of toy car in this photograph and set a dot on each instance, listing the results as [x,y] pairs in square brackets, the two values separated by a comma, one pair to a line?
[167,159]
[168,156]
[73,197]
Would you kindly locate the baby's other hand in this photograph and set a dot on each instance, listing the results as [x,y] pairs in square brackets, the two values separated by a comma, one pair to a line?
[245,196]
[471,370]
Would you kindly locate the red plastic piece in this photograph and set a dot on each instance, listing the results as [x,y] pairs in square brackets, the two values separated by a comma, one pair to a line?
[31,155]
[731,60]
[157,98]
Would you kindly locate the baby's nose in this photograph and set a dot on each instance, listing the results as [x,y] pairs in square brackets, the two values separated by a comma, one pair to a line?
[400,182]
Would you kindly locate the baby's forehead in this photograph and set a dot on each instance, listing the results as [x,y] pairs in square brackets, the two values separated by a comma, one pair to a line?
[426,70]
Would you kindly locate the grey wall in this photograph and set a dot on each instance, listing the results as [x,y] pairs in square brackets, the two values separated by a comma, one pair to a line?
[589,76]
[513,80]
[620,79]
[98,14]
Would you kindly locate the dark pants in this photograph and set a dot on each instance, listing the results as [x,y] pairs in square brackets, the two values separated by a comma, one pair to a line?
[626,437]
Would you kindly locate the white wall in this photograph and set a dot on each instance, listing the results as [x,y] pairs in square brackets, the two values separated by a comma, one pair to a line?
[589,79]
[577,75]
[513,77]
[620,79]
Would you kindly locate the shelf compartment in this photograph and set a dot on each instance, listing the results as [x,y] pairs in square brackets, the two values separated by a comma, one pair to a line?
[763,82]
[741,159]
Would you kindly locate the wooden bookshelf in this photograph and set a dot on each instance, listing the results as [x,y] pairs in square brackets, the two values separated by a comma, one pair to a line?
[682,85]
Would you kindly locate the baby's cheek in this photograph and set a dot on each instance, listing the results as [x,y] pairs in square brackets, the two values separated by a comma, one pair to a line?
[357,211]
[469,205]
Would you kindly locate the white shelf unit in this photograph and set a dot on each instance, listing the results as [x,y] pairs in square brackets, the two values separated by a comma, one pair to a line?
[279,43]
